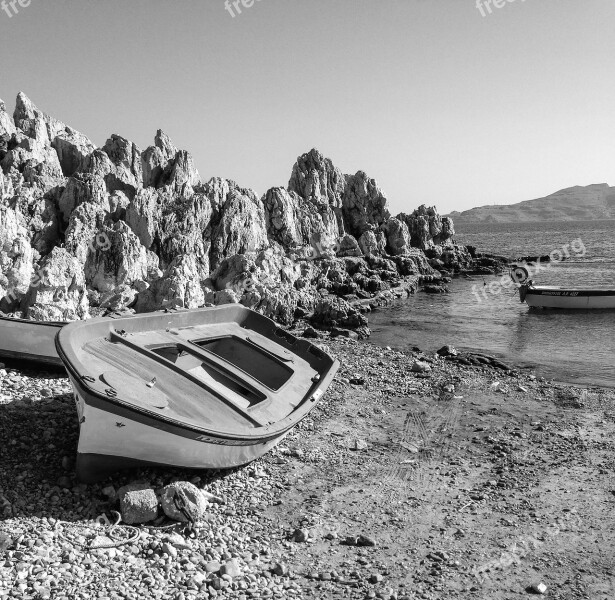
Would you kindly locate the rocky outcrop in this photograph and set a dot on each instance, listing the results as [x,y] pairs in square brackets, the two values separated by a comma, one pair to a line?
[156,160]
[70,146]
[334,311]
[179,286]
[315,178]
[58,290]
[163,165]
[86,230]
[427,228]
[7,129]
[16,259]
[240,226]
[364,205]
[397,235]
[125,172]
[293,221]
[116,257]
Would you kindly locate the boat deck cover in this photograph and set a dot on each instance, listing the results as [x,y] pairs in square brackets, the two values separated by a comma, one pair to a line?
[219,375]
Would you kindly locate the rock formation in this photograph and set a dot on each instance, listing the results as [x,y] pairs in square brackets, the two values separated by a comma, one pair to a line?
[86,230]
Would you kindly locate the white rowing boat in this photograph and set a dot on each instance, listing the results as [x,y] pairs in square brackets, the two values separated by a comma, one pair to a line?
[205,389]
[21,339]
[545,296]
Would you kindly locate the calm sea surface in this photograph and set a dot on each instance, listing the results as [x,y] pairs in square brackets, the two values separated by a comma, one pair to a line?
[575,347]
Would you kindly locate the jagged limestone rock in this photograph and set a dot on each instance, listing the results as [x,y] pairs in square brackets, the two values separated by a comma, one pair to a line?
[118,228]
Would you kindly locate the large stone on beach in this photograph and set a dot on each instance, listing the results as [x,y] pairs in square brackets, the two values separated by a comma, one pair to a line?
[418,366]
[337,312]
[188,495]
[138,503]
[118,258]
[447,351]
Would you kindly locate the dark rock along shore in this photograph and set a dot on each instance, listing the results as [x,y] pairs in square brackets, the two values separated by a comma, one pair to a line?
[85,231]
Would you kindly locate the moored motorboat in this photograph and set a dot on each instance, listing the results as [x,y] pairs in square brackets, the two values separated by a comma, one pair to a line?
[207,388]
[34,341]
[546,296]
[570,298]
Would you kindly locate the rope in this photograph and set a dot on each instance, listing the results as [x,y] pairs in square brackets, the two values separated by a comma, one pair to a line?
[118,541]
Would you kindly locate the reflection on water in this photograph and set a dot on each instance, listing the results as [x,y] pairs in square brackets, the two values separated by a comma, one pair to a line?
[573,346]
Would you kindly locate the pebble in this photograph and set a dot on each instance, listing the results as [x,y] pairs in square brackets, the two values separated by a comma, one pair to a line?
[420,367]
[358,444]
[231,568]
[280,569]
[244,526]
[538,588]
[177,541]
[300,535]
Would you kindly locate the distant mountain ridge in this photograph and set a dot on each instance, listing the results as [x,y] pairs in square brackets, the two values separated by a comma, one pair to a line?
[578,203]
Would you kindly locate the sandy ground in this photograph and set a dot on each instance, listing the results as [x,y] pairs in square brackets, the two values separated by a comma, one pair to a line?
[465,482]
[480,492]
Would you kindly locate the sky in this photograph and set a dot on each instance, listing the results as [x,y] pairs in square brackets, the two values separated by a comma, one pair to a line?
[441,102]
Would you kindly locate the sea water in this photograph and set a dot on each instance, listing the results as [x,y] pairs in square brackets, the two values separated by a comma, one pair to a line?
[569,346]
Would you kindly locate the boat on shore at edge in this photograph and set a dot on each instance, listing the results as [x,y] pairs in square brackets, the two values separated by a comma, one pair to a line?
[207,388]
[22,339]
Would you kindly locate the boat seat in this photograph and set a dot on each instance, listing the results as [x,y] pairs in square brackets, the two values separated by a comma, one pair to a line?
[136,390]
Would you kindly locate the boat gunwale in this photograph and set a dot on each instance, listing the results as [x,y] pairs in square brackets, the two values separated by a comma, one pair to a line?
[268,432]
[546,290]
[34,322]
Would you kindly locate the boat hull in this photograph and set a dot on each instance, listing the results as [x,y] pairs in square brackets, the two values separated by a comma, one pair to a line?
[211,388]
[570,299]
[34,341]
[114,440]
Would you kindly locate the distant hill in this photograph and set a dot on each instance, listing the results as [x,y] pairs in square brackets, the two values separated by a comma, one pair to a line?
[592,202]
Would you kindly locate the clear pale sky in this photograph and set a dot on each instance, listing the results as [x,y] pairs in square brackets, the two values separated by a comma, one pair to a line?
[436,102]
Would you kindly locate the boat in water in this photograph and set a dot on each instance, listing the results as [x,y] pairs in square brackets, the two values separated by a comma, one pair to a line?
[22,339]
[546,296]
[207,388]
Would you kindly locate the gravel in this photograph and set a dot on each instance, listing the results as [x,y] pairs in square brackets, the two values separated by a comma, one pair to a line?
[330,512]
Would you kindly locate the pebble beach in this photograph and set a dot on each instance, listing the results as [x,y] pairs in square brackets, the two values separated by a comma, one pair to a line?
[417,476]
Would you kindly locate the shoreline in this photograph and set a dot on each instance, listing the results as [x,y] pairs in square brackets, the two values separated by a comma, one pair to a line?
[436,335]
[454,479]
